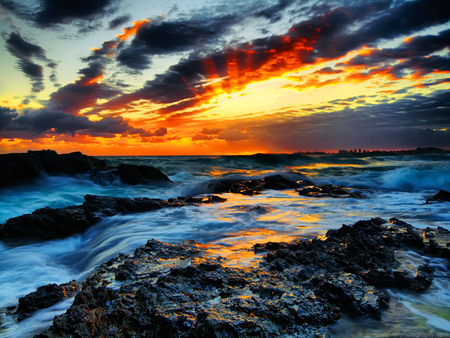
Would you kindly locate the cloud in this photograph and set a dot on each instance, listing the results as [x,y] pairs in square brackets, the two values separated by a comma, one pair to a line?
[119,21]
[207,134]
[415,47]
[168,37]
[160,132]
[32,124]
[51,12]
[413,121]
[24,51]
[6,116]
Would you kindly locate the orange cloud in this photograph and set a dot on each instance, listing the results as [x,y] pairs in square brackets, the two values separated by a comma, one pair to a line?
[129,32]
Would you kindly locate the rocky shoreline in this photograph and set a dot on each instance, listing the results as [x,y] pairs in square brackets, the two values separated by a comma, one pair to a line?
[298,289]
[166,290]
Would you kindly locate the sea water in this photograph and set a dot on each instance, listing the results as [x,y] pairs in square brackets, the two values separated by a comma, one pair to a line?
[393,186]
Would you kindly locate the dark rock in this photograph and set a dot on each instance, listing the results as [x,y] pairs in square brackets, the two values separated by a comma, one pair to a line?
[353,296]
[328,190]
[253,187]
[48,223]
[140,174]
[441,196]
[44,297]
[24,167]
[299,288]
[434,249]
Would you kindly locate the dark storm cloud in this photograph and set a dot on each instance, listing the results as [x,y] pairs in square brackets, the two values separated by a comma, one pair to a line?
[415,47]
[272,13]
[52,12]
[169,37]
[119,21]
[6,116]
[414,121]
[333,36]
[79,95]
[135,57]
[24,51]
[41,122]
[84,93]
[328,70]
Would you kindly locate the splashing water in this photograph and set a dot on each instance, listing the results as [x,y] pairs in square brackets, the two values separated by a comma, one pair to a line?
[394,187]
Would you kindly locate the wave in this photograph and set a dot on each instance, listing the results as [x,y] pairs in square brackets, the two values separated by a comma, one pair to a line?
[390,178]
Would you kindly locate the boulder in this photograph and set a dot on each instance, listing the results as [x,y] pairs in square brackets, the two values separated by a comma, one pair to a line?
[328,190]
[441,196]
[44,297]
[140,174]
[253,187]
[48,223]
[22,168]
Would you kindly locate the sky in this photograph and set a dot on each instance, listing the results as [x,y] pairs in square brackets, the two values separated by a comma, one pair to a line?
[196,77]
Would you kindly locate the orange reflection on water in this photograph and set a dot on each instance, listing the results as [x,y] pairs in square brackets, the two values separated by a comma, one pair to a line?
[308,218]
[220,172]
[237,250]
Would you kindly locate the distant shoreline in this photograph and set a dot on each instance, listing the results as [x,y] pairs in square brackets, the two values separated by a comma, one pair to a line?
[428,150]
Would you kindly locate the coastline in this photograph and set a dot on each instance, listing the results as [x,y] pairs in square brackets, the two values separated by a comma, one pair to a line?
[253,187]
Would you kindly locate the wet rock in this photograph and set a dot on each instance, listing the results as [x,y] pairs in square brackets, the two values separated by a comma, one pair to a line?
[253,187]
[44,297]
[328,190]
[352,295]
[48,223]
[140,174]
[24,167]
[433,248]
[167,290]
[441,196]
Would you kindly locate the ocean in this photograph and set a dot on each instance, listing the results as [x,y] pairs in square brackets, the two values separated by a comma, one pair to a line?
[392,186]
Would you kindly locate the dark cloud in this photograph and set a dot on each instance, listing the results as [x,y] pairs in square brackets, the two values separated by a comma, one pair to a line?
[334,37]
[328,70]
[167,37]
[79,95]
[24,51]
[327,36]
[414,121]
[273,13]
[160,132]
[41,122]
[415,47]
[19,10]
[119,21]
[211,131]
[52,12]
[85,92]
[207,134]
[136,57]
[6,116]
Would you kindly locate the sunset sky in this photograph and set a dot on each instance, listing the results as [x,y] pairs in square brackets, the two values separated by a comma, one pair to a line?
[187,77]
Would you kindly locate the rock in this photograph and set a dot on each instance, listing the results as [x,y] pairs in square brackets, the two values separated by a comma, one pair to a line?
[24,167]
[48,223]
[140,174]
[328,190]
[44,297]
[253,187]
[441,196]
[167,290]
